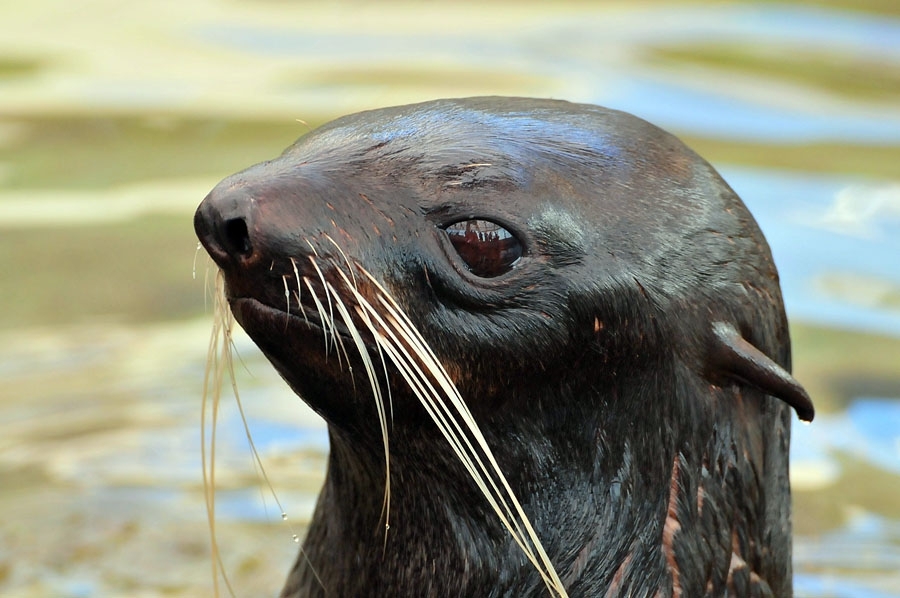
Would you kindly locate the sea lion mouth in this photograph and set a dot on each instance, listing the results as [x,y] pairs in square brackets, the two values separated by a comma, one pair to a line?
[251,313]
[318,296]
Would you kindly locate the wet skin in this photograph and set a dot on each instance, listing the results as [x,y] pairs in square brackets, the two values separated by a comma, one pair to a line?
[625,352]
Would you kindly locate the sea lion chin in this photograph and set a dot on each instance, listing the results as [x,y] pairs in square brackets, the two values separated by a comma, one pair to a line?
[549,343]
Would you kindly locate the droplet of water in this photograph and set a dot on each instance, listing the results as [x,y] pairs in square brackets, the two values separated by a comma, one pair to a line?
[296,538]
[283,516]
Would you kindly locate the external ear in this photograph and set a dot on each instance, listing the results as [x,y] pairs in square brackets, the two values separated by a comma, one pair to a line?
[732,356]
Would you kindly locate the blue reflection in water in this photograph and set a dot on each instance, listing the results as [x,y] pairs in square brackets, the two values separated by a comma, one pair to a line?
[574,52]
[831,586]
[867,545]
[699,112]
[680,104]
[878,421]
[276,436]
[868,430]
[856,561]
[835,30]
[790,209]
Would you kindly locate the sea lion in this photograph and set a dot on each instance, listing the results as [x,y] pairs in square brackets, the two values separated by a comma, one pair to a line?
[573,299]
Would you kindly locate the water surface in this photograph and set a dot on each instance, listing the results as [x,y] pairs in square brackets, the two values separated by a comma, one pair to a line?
[116,118]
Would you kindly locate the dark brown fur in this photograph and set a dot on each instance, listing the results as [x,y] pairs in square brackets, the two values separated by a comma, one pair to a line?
[619,371]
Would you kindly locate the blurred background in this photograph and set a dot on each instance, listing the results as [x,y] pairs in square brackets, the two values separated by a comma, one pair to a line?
[117,117]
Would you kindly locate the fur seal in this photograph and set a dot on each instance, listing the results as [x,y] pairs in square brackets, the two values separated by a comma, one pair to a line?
[549,343]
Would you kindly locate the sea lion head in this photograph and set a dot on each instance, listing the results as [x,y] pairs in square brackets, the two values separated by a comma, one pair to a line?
[583,279]
[604,236]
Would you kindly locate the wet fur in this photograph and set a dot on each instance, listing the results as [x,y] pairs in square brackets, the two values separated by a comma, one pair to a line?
[646,466]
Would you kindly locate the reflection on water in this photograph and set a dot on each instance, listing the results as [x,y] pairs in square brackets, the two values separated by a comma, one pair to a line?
[100,462]
[815,236]
[866,547]
[111,135]
[865,431]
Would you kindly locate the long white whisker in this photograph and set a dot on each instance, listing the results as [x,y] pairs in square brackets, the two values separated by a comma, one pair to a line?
[287,300]
[320,309]
[332,333]
[297,279]
[332,296]
[367,321]
[427,357]
[219,345]
[343,255]
[379,404]
[456,400]
[364,316]
[219,361]
[450,428]
[454,429]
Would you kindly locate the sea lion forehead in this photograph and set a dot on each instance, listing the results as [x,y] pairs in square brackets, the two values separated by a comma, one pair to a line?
[457,155]
[478,129]
[505,120]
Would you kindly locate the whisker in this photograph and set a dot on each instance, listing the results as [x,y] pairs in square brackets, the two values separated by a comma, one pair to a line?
[331,294]
[320,309]
[212,391]
[194,265]
[343,255]
[364,316]
[379,403]
[514,524]
[456,400]
[259,464]
[219,361]
[397,339]
[427,392]
[287,300]
[450,429]
[331,330]
[384,415]
[299,303]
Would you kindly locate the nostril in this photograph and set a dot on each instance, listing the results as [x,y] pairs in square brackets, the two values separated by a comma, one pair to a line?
[224,222]
[237,236]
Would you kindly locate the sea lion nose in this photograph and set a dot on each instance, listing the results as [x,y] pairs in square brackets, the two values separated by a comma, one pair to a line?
[223,223]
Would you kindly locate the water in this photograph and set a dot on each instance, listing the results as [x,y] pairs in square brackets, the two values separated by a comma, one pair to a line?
[116,118]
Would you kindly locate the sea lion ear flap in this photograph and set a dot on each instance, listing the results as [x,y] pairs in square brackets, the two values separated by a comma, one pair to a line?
[733,356]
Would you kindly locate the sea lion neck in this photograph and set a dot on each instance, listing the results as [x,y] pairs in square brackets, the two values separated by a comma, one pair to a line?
[586,483]
[478,556]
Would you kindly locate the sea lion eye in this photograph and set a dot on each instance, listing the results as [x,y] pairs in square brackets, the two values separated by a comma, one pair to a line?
[487,248]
